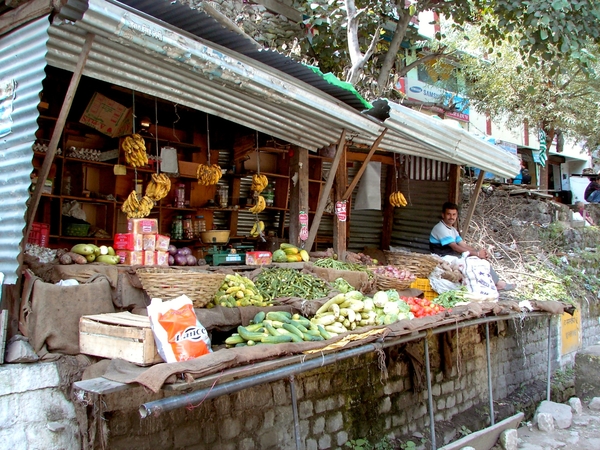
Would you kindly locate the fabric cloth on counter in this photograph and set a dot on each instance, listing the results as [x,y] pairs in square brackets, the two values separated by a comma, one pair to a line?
[50,314]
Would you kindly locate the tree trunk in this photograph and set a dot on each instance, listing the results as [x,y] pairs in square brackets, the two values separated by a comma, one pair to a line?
[357,59]
[392,53]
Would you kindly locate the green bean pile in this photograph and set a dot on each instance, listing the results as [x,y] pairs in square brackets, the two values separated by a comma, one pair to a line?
[330,263]
[280,282]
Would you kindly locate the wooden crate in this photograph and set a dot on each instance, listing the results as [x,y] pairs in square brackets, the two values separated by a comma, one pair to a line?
[118,335]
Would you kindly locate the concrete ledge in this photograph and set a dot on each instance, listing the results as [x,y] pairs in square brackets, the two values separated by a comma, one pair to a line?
[488,437]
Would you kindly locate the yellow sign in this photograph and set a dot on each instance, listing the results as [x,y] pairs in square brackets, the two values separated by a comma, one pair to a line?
[570,326]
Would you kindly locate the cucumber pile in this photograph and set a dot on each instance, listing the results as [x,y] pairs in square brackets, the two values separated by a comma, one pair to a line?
[277,327]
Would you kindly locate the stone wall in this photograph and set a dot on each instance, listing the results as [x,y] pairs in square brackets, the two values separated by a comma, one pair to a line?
[375,395]
[354,398]
[34,412]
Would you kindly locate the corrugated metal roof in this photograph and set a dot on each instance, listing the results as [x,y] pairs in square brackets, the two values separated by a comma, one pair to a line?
[206,27]
[22,61]
[142,53]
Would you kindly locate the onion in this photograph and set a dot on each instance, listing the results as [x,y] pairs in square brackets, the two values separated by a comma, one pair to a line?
[171,260]
[185,251]
[180,260]
[172,249]
[191,260]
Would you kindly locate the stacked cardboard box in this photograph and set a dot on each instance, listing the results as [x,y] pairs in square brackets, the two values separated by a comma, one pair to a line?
[142,244]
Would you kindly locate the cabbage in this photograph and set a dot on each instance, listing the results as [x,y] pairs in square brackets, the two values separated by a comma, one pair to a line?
[390,318]
[380,298]
[392,295]
[403,307]
[391,308]
[368,304]
[354,295]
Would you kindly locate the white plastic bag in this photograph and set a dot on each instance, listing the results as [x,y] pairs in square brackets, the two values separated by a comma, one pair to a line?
[178,334]
[478,278]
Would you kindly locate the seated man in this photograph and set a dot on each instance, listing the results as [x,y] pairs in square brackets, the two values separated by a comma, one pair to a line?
[445,240]
[592,191]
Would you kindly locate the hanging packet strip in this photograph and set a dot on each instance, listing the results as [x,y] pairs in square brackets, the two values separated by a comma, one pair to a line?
[178,334]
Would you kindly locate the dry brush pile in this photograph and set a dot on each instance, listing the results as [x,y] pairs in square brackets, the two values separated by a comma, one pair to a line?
[534,244]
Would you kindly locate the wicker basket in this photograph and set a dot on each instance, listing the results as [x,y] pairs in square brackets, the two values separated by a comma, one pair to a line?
[168,283]
[383,283]
[420,265]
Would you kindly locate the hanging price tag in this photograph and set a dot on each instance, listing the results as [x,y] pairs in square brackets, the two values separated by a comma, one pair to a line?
[340,210]
[303,219]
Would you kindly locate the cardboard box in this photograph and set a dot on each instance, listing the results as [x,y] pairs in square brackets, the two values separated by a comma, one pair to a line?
[107,116]
[149,242]
[149,258]
[258,258]
[162,258]
[162,242]
[131,258]
[142,226]
[188,169]
[268,162]
[118,335]
[128,241]
[39,234]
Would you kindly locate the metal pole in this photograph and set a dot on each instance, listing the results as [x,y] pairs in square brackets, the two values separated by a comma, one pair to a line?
[295,411]
[429,396]
[549,373]
[489,371]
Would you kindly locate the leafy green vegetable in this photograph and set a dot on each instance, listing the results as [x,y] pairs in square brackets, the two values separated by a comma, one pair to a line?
[449,299]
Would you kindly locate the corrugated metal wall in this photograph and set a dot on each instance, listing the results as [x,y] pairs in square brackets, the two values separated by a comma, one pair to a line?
[425,183]
[22,60]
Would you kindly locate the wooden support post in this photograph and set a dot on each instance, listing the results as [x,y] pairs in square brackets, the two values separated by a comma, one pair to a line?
[454,194]
[388,209]
[56,134]
[362,169]
[340,229]
[298,191]
[473,203]
[325,192]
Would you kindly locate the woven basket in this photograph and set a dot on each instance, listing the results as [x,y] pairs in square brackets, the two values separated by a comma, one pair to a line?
[420,265]
[383,283]
[168,283]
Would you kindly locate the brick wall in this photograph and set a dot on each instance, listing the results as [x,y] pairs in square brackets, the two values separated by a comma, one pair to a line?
[353,398]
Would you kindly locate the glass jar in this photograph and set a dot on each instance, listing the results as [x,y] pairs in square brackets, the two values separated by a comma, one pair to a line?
[180,196]
[188,227]
[269,195]
[177,228]
[199,226]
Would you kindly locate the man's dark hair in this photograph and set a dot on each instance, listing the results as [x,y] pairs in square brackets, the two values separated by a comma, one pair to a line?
[449,205]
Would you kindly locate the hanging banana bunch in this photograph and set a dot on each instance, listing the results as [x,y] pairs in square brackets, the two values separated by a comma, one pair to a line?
[208,174]
[134,147]
[259,183]
[159,187]
[135,208]
[260,205]
[257,228]
[397,199]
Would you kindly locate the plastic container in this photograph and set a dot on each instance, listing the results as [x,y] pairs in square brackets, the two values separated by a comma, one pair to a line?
[177,228]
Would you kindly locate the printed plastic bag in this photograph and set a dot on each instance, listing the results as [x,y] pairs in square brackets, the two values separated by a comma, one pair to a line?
[478,278]
[178,334]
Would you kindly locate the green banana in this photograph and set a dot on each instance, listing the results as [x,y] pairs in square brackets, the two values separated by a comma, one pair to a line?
[108,259]
[84,249]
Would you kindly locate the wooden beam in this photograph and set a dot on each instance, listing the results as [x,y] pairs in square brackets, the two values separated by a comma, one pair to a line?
[298,192]
[56,134]
[325,193]
[360,157]
[24,13]
[454,194]
[362,169]
[340,229]
[473,202]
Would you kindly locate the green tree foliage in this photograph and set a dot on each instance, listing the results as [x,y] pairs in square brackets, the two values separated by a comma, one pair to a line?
[509,87]
[540,30]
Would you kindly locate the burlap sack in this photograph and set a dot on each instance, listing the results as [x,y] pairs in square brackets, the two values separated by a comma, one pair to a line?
[50,314]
